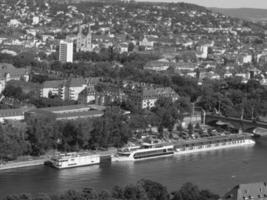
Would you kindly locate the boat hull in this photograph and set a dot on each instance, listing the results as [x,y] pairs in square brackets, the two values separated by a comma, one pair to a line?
[69,167]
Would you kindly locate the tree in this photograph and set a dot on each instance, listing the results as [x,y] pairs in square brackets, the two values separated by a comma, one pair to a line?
[167,113]
[130,47]
[154,190]
[190,129]
[24,59]
[75,135]
[89,193]
[110,130]
[43,132]
[187,192]
[14,92]
[12,143]
[117,192]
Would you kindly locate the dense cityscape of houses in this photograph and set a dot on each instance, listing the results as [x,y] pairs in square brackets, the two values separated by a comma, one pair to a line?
[191,41]
[112,62]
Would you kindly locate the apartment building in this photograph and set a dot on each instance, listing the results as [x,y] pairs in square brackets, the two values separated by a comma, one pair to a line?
[65,89]
[146,97]
[65,51]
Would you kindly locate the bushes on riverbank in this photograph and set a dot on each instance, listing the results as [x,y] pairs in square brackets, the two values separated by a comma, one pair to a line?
[142,190]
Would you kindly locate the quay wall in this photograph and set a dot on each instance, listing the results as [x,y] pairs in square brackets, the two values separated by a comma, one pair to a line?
[20,164]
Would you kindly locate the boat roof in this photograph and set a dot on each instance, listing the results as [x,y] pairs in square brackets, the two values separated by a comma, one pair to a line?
[215,138]
[76,154]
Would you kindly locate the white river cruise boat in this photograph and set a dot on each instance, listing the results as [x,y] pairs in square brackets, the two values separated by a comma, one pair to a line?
[148,151]
[213,143]
[145,151]
[75,159]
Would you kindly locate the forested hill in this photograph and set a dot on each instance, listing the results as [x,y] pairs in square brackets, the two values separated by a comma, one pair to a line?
[243,13]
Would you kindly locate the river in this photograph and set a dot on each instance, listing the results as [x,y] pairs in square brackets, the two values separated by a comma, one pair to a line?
[216,170]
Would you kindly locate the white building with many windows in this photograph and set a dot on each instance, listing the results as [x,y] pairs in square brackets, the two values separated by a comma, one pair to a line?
[65,51]
[65,89]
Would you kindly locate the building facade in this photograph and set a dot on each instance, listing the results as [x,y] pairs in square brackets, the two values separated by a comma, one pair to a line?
[84,39]
[9,72]
[146,97]
[250,191]
[75,86]
[64,89]
[65,51]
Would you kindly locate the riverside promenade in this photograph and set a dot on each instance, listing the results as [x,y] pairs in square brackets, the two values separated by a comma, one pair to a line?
[24,163]
[35,161]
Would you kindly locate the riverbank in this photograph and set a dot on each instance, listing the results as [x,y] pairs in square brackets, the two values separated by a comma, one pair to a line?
[21,164]
[30,162]
[216,170]
[33,161]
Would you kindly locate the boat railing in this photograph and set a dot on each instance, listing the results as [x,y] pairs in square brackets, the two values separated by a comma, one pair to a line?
[212,140]
[72,155]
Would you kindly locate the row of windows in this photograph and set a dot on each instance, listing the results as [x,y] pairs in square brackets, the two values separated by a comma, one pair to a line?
[154,152]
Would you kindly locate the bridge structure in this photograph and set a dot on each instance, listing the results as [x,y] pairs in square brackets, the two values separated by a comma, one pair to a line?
[245,125]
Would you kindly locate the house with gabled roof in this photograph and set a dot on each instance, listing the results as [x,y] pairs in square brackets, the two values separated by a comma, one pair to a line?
[249,191]
[157,65]
[75,86]
[146,97]
[10,72]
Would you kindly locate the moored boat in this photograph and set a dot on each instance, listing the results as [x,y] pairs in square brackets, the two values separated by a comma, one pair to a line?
[145,151]
[213,143]
[74,159]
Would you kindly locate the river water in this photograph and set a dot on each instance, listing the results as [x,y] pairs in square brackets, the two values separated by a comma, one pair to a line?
[216,170]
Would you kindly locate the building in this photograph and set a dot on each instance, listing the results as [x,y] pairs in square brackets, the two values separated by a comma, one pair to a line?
[123,47]
[65,89]
[109,94]
[87,95]
[146,97]
[202,51]
[35,20]
[84,39]
[157,65]
[250,191]
[52,88]
[185,67]
[71,112]
[14,23]
[8,72]
[75,86]
[13,114]
[148,42]
[244,58]
[65,51]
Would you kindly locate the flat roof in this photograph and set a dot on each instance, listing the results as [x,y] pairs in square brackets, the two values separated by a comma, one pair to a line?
[73,107]
[13,112]
[84,114]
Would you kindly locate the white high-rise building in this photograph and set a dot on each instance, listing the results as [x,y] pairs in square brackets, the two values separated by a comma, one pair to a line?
[65,51]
